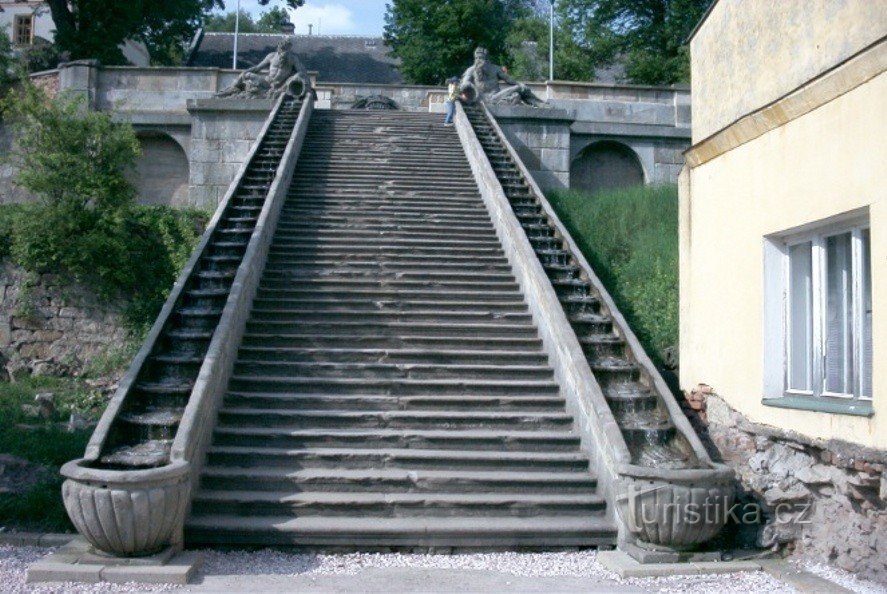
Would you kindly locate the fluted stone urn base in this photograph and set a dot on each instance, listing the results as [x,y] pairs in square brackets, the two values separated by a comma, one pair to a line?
[127,513]
[678,514]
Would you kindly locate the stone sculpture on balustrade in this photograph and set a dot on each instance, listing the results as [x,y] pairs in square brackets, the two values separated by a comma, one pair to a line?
[481,81]
[278,72]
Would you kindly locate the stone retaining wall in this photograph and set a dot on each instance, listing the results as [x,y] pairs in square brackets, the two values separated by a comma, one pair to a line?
[825,500]
[48,325]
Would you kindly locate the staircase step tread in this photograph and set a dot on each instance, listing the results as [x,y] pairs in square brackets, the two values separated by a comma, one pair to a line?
[412,475]
[317,527]
[358,434]
[396,414]
[424,498]
[396,453]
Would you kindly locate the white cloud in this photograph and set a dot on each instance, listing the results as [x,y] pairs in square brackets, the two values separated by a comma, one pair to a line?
[329,19]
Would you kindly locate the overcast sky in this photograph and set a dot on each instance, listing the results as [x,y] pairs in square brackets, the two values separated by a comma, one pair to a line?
[331,17]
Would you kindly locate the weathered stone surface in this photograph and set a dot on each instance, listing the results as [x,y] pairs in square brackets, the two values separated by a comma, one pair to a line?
[53,327]
[826,500]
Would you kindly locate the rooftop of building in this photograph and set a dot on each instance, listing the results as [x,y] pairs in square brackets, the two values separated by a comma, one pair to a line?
[336,58]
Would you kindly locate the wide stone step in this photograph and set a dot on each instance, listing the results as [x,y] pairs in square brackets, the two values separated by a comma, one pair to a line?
[272,340]
[471,532]
[404,387]
[396,329]
[408,356]
[344,480]
[383,224]
[333,304]
[392,505]
[392,458]
[290,314]
[388,293]
[458,278]
[386,250]
[379,241]
[475,440]
[366,264]
[361,402]
[433,370]
[436,233]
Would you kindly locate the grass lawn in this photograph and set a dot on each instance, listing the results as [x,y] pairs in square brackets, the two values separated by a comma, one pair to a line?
[630,237]
[43,441]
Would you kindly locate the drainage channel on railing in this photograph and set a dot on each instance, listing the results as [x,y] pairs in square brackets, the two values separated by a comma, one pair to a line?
[650,434]
[141,434]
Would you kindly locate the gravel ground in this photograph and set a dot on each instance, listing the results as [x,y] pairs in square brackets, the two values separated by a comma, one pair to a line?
[843,578]
[15,560]
[574,564]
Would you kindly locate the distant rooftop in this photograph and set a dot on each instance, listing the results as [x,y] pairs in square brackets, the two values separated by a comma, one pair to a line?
[336,58]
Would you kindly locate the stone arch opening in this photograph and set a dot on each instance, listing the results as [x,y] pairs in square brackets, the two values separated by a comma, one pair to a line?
[162,171]
[605,165]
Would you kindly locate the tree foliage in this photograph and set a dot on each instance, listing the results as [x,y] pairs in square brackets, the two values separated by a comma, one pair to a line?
[646,35]
[96,28]
[86,223]
[268,22]
[435,40]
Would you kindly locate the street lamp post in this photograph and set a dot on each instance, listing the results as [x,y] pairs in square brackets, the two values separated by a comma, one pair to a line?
[551,42]
[236,33]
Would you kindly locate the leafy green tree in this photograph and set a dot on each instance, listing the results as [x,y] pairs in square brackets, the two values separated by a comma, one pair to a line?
[527,44]
[8,63]
[224,23]
[648,35]
[96,28]
[86,223]
[268,22]
[435,40]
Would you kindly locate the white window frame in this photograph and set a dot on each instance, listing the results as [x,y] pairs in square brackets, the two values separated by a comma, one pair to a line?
[777,308]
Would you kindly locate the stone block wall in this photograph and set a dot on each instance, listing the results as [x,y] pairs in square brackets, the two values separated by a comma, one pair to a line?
[223,132]
[542,139]
[826,500]
[51,324]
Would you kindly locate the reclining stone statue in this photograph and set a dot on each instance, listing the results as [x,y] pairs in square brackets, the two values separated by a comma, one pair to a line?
[481,82]
[284,74]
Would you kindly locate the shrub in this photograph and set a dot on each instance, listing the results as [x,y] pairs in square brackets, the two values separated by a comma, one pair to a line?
[630,237]
[86,224]
[9,214]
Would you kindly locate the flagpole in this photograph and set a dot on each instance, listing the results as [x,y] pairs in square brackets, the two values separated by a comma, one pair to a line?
[236,33]
[551,43]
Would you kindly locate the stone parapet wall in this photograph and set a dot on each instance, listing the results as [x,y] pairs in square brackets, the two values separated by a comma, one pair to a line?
[51,325]
[826,500]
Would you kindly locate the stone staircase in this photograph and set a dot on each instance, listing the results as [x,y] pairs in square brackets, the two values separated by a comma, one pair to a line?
[391,390]
[142,434]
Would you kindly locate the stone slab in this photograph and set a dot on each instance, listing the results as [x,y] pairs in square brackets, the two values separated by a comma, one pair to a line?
[803,581]
[511,112]
[78,562]
[645,556]
[622,564]
[230,104]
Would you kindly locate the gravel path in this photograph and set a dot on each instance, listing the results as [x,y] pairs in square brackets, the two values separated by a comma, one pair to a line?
[843,578]
[222,568]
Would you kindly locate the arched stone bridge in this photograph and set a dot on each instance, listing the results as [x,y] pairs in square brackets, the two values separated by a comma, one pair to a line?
[598,135]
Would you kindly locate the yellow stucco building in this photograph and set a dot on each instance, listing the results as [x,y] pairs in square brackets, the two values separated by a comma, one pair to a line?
[783,216]
[783,257]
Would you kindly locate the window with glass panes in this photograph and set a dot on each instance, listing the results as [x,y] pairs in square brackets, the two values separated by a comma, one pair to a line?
[23,29]
[829,314]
